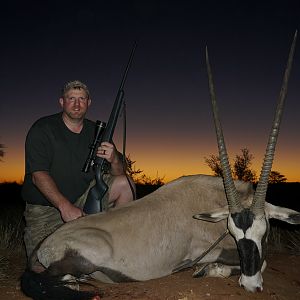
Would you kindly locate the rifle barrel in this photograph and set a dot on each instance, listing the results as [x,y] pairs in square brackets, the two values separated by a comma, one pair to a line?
[128,66]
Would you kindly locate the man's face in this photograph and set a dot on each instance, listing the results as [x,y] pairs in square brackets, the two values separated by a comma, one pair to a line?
[75,103]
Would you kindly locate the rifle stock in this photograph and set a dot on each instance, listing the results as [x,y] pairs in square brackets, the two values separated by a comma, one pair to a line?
[94,202]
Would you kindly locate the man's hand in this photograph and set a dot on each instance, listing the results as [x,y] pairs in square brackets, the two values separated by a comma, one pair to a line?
[109,152]
[70,212]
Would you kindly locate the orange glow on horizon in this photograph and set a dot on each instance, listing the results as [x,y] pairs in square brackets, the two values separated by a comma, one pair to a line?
[167,165]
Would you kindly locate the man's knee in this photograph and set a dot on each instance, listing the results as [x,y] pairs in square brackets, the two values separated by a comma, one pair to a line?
[121,182]
[122,189]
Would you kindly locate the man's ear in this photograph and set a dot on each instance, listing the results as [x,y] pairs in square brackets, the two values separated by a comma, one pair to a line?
[213,216]
[61,101]
[89,102]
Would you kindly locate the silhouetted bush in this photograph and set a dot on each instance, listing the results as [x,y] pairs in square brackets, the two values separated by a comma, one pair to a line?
[145,189]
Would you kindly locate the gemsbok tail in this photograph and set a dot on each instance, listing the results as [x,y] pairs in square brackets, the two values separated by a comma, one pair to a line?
[43,286]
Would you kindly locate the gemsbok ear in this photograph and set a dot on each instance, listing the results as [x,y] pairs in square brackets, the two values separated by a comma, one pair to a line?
[214,216]
[281,213]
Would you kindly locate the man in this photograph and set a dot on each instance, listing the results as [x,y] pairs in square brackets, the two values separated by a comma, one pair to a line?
[55,151]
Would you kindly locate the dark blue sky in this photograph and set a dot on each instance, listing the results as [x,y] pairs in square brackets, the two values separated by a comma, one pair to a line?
[170,128]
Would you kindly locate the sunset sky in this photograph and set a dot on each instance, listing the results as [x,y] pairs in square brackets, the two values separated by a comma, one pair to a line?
[169,121]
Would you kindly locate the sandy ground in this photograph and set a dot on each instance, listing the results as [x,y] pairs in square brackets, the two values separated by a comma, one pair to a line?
[281,281]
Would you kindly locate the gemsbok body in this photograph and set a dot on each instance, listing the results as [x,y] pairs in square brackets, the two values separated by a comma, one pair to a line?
[181,224]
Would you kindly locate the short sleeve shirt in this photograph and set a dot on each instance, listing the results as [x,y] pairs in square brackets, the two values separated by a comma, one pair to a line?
[50,146]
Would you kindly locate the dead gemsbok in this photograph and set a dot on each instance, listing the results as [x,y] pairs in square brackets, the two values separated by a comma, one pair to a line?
[157,235]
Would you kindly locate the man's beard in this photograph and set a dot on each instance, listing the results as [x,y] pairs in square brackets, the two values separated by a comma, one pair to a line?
[75,115]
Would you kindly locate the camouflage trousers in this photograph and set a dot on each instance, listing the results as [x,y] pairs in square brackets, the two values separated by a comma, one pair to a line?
[42,220]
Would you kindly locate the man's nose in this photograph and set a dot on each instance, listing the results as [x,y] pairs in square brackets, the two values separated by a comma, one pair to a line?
[76,101]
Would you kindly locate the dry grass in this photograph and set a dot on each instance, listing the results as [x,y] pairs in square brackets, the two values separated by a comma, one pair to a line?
[284,240]
[293,241]
[11,235]
[11,242]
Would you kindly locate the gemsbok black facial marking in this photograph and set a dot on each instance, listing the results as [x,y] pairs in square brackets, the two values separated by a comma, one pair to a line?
[244,219]
[249,256]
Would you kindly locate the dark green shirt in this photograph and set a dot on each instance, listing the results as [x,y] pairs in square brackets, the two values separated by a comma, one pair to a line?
[50,146]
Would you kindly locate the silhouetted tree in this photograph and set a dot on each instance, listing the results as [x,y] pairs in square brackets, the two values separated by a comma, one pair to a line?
[139,178]
[276,177]
[213,161]
[241,166]
[131,170]
[2,151]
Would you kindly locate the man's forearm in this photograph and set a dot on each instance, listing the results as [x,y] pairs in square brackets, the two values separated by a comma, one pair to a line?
[44,182]
[48,187]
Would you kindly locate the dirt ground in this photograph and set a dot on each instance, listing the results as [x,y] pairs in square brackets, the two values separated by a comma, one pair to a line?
[281,282]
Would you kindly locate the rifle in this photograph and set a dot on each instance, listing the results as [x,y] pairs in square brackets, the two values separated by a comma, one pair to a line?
[104,133]
[90,161]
